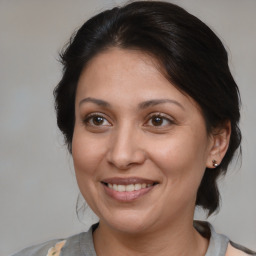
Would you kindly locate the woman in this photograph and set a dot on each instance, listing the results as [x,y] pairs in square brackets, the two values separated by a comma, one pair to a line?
[149,111]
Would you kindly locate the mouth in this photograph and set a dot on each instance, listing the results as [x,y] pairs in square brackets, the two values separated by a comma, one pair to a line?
[127,189]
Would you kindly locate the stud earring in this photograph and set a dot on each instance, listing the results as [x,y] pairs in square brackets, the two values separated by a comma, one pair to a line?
[214,163]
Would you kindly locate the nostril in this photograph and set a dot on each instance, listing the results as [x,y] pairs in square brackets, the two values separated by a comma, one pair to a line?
[121,164]
[125,153]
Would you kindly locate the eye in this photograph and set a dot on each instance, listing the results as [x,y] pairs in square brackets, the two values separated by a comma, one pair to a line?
[96,120]
[159,120]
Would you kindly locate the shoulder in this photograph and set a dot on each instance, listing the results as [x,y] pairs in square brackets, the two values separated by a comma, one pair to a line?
[232,251]
[79,244]
[49,248]
[238,250]
[220,244]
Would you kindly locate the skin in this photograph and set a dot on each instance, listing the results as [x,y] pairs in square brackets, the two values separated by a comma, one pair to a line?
[166,143]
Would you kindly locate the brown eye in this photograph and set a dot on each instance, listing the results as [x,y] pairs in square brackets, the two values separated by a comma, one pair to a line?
[157,121]
[96,120]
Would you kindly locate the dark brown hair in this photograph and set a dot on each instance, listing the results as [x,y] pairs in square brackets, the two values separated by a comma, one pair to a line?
[191,55]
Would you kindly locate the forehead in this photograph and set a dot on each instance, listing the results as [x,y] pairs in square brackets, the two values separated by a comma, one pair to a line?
[128,60]
[122,74]
[124,67]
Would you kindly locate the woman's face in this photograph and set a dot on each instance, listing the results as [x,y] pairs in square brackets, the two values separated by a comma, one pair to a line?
[140,146]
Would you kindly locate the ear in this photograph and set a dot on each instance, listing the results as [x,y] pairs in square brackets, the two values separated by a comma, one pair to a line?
[220,138]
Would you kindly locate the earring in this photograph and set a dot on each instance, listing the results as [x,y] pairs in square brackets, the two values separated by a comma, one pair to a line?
[214,163]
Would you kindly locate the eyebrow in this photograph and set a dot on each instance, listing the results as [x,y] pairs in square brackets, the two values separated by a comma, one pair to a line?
[150,103]
[142,105]
[95,101]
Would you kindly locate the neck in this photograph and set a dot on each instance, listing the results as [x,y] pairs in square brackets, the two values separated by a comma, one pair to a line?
[179,238]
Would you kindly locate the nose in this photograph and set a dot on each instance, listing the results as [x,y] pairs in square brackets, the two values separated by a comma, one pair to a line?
[125,149]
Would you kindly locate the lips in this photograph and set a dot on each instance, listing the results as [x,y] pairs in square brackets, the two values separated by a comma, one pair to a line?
[127,189]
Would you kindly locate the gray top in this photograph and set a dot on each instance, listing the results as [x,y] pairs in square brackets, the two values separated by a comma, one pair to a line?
[82,244]
[218,244]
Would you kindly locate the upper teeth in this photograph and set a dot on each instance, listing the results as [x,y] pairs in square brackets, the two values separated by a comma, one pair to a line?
[130,187]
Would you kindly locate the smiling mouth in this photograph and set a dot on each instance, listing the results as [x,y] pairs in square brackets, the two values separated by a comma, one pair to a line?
[129,187]
[128,190]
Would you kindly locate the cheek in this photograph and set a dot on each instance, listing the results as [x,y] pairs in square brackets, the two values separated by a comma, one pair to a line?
[181,159]
[87,154]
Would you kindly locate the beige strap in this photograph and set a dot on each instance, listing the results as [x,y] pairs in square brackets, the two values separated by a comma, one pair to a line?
[55,251]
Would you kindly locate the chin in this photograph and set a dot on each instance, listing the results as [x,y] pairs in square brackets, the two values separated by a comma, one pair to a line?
[128,223]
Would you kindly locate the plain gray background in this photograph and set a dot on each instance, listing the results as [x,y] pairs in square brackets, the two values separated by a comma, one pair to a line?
[38,190]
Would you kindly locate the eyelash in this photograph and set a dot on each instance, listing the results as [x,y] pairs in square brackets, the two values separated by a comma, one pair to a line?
[89,118]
